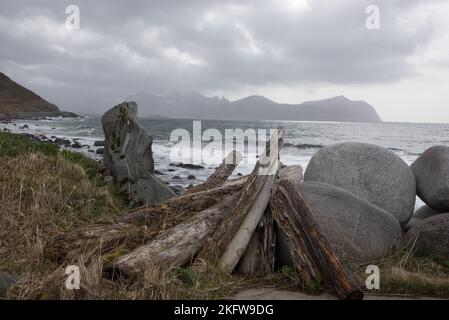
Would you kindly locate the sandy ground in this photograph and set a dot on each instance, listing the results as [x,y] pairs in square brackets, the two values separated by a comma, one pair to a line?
[276,294]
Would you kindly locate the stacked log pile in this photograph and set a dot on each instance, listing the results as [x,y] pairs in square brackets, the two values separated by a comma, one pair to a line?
[231,223]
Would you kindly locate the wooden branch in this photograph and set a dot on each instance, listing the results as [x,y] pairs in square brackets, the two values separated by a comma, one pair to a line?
[229,243]
[221,174]
[259,256]
[136,227]
[312,253]
[176,246]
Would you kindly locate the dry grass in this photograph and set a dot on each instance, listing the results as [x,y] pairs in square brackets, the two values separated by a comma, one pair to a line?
[42,197]
[404,273]
[44,193]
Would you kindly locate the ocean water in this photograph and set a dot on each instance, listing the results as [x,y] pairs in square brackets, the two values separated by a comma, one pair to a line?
[302,140]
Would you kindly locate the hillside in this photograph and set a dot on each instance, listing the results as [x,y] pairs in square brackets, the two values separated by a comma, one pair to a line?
[17,101]
[195,105]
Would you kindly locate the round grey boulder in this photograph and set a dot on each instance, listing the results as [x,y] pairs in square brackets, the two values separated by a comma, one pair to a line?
[421,214]
[358,230]
[431,170]
[371,172]
[431,236]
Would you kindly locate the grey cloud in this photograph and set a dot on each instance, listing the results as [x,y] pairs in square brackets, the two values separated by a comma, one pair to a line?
[161,46]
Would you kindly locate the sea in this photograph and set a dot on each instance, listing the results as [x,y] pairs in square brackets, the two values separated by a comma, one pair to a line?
[301,140]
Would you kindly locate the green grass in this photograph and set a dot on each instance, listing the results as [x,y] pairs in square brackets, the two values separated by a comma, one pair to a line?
[13,145]
[45,192]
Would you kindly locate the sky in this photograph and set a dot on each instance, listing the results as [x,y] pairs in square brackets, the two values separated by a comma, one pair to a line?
[290,51]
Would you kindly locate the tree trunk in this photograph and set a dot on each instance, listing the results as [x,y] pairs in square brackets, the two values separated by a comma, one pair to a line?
[136,227]
[176,246]
[229,243]
[259,256]
[221,174]
[312,254]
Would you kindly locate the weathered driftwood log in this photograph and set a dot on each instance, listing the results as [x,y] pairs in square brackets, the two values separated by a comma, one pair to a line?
[229,242]
[176,246]
[138,226]
[221,174]
[259,256]
[311,252]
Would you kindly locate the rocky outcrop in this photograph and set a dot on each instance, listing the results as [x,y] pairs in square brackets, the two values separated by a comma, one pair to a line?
[358,230]
[431,170]
[128,154]
[431,236]
[17,102]
[370,172]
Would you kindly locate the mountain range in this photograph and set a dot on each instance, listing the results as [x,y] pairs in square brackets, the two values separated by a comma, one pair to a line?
[193,105]
[17,101]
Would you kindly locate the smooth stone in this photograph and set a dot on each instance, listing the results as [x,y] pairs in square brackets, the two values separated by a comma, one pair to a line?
[371,172]
[421,214]
[358,230]
[431,236]
[431,170]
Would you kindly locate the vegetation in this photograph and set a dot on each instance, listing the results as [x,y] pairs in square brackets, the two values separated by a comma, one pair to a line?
[404,274]
[45,192]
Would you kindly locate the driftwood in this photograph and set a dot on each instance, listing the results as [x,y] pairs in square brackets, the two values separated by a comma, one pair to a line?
[176,246]
[312,254]
[232,223]
[259,256]
[138,226]
[229,242]
[221,174]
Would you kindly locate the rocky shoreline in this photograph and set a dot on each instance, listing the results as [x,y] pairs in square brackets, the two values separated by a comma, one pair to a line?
[362,196]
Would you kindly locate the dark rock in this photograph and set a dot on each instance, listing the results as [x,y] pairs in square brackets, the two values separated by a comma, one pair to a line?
[431,236]
[99,143]
[191,177]
[24,127]
[431,170]
[371,172]
[158,172]
[171,170]
[100,151]
[76,145]
[61,141]
[420,215]
[127,152]
[187,166]
[176,178]
[178,189]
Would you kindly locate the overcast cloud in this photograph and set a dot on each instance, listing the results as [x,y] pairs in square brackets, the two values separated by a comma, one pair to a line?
[287,50]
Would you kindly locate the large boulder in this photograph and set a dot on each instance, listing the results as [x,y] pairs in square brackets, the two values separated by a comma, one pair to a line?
[431,236]
[358,230]
[127,153]
[421,214]
[370,172]
[431,170]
